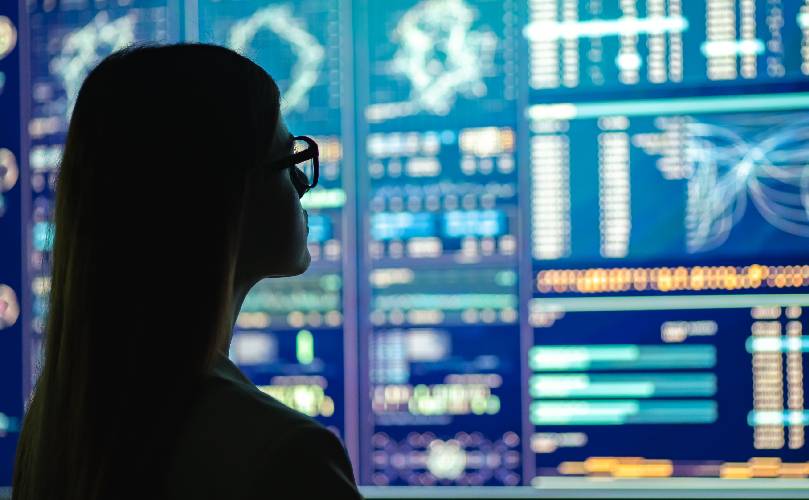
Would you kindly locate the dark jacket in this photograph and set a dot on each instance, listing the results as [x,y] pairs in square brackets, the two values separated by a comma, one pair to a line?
[240,443]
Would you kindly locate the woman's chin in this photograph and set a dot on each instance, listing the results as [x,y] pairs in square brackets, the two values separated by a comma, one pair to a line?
[294,267]
[306,260]
[301,265]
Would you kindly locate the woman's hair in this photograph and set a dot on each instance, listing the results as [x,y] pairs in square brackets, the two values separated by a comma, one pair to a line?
[147,226]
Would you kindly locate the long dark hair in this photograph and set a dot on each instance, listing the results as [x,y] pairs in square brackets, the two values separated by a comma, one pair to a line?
[147,220]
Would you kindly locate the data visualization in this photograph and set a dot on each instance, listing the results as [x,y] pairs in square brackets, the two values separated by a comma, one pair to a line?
[434,58]
[603,44]
[298,43]
[715,381]
[723,176]
[439,210]
[669,290]
[555,243]
[11,401]
[290,335]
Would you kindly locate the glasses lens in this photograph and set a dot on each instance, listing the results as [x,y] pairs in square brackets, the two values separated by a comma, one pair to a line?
[308,166]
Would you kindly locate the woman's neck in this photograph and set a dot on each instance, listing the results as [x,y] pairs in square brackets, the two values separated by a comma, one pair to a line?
[238,293]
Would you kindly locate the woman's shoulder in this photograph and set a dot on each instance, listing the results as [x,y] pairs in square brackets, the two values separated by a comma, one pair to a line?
[238,440]
[234,405]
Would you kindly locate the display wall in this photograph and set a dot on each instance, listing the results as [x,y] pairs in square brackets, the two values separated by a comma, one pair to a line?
[553,239]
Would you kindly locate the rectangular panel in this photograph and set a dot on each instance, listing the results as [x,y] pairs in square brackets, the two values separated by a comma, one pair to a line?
[702,179]
[439,221]
[686,392]
[11,404]
[585,46]
[669,288]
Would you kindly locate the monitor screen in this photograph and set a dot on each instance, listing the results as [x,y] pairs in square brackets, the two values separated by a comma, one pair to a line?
[667,311]
[553,240]
[10,241]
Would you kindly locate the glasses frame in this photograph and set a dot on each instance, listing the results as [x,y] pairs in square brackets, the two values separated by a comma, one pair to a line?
[292,161]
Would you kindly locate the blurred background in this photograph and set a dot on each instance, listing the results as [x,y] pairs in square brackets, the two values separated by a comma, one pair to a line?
[554,240]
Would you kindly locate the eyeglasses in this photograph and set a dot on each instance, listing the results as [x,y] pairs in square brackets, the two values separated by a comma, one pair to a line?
[303,164]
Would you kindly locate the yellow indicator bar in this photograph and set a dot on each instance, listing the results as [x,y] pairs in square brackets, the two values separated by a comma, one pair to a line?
[671,279]
[619,467]
[764,467]
[638,468]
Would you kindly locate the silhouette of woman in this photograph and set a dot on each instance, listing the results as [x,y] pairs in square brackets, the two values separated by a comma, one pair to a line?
[179,190]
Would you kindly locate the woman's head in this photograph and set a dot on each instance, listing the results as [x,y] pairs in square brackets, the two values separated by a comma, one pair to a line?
[199,125]
[164,205]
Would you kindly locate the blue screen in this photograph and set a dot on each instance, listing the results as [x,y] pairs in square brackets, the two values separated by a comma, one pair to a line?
[439,204]
[553,240]
[11,395]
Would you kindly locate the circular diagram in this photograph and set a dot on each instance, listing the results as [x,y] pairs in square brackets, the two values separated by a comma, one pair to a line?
[446,459]
[8,36]
[9,307]
[9,172]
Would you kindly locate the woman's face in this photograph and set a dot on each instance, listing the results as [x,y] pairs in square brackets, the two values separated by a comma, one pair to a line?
[273,242]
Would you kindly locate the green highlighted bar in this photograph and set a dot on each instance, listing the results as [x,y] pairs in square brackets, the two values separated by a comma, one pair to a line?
[447,302]
[669,106]
[777,344]
[791,417]
[640,385]
[305,347]
[623,412]
[671,302]
[324,198]
[620,357]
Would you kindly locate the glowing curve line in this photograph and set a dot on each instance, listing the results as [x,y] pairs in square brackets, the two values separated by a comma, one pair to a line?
[773,170]
[717,206]
[308,52]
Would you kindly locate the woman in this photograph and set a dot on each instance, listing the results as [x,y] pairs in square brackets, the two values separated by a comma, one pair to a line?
[179,190]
